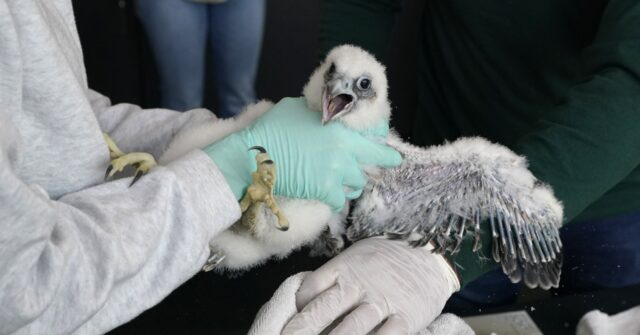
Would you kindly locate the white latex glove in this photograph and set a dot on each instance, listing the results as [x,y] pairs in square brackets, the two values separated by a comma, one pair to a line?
[274,314]
[378,282]
[598,323]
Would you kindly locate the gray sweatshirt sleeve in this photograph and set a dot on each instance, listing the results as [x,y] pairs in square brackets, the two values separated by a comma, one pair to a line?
[145,130]
[95,259]
[78,255]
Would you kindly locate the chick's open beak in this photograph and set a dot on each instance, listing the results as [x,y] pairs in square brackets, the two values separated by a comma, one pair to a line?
[337,99]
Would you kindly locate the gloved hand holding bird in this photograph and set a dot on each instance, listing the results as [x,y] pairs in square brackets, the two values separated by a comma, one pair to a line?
[438,196]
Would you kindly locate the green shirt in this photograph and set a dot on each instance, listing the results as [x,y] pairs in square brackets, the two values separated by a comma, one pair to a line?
[557,81]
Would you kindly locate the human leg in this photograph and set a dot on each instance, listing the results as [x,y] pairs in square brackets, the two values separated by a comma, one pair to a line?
[177,32]
[602,253]
[236,39]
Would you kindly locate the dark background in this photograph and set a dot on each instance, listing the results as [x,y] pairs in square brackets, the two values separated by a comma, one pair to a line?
[120,65]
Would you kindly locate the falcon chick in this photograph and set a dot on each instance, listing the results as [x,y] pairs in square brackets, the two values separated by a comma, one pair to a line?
[439,195]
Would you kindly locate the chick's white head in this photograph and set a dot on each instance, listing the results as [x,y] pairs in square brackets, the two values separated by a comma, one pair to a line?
[349,86]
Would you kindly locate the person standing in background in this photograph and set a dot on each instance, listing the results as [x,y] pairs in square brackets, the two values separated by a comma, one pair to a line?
[178,32]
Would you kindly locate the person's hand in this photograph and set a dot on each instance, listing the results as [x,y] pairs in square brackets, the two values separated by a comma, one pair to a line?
[314,161]
[376,283]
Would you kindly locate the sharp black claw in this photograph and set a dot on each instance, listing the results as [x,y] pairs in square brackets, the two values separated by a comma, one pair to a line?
[136,177]
[259,148]
[283,228]
[106,175]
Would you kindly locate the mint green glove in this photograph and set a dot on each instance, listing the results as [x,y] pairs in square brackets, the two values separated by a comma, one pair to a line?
[313,161]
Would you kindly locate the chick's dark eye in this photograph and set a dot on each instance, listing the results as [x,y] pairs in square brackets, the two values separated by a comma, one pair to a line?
[364,83]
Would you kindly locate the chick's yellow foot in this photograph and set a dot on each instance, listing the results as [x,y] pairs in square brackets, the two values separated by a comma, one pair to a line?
[114,151]
[261,191]
[142,161]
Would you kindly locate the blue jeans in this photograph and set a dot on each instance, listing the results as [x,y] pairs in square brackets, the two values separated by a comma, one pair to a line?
[598,254]
[178,32]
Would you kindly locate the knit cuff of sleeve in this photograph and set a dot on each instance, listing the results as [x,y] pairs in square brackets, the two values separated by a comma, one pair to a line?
[212,193]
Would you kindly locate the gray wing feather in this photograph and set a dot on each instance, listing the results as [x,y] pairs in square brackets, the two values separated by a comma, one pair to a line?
[441,194]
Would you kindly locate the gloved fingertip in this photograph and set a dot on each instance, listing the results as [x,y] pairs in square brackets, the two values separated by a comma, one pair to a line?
[336,202]
[354,194]
[294,327]
[394,158]
[379,130]
[337,209]
[313,285]
[380,155]
[303,297]
[393,325]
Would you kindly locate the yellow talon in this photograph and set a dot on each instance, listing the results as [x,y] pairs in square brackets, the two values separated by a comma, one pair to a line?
[114,151]
[142,161]
[261,191]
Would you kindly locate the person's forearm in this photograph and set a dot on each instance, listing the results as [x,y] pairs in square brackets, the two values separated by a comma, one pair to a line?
[590,142]
[97,258]
[145,130]
[365,23]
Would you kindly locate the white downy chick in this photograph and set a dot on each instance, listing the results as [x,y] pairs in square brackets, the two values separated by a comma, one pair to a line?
[349,86]
[438,196]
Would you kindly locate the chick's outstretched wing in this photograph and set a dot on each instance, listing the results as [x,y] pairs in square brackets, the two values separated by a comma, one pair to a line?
[442,194]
